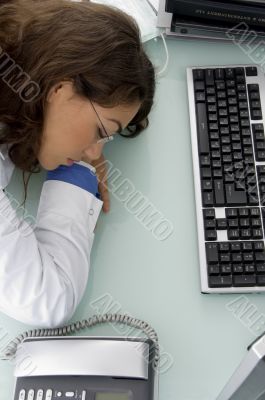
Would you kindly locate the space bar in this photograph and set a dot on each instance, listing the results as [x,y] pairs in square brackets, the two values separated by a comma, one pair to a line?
[202,128]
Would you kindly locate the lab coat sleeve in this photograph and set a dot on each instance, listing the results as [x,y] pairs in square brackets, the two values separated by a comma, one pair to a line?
[44,267]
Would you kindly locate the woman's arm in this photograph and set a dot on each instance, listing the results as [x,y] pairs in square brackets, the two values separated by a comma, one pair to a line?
[44,269]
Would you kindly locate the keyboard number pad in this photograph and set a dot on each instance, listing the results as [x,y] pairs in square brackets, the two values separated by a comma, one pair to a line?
[237,264]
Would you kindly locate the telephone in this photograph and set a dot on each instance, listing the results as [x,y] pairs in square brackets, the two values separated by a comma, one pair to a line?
[86,367]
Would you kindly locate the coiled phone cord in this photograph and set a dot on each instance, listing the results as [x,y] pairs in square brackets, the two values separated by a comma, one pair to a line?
[165,66]
[10,350]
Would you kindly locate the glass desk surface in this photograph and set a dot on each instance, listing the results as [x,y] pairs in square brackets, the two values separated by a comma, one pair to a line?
[158,280]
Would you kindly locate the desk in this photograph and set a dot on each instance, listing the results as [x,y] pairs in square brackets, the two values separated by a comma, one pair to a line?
[159,280]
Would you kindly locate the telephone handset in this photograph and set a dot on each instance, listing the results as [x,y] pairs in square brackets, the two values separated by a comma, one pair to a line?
[97,368]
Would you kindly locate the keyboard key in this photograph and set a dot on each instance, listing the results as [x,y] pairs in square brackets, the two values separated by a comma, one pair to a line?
[225,257]
[235,246]
[212,107]
[212,253]
[210,234]
[199,86]
[220,281]
[229,73]
[254,96]
[258,246]
[261,280]
[226,269]
[256,114]
[257,233]
[251,71]
[249,268]
[258,128]
[234,197]
[200,97]
[238,269]
[219,73]
[231,212]
[219,192]
[245,233]
[260,268]
[236,258]
[209,77]
[198,74]
[207,185]
[202,124]
[246,246]
[256,223]
[260,256]
[233,223]
[221,224]
[209,224]
[243,212]
[214,269]
[233,234]
[240,79]
[207,199]
[244,222]
[244,280]
[248,257]
[240,71]
[209,213]
[230,83]
[206,173]
[224,246]
[254,212]
[253,88]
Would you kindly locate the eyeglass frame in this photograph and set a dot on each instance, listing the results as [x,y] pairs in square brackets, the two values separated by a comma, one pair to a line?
[106,139]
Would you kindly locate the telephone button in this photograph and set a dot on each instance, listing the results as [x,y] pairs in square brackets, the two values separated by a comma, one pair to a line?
[48,395]
[22,395]
[31,395]
[69,394]
[39,395]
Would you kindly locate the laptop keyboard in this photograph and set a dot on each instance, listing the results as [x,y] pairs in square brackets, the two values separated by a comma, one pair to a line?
[229,173]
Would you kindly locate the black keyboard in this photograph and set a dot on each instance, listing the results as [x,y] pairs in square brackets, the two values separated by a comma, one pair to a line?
[228,143]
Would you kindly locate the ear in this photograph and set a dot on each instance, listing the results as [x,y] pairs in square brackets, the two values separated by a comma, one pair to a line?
[58,88]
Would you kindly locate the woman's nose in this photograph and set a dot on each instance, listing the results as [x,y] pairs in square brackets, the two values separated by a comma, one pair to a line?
[94,151]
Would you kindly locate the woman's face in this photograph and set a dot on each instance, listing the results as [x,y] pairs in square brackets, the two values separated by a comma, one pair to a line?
[72,127]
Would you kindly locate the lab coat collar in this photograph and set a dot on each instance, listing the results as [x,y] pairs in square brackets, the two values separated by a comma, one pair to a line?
[6,165]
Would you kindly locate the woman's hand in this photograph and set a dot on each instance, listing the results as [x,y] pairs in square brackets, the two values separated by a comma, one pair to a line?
[101,172]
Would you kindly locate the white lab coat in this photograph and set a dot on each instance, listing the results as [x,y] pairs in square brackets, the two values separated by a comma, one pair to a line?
[44,270]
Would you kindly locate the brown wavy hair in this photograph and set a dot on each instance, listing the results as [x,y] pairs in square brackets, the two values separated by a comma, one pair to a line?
[46,41]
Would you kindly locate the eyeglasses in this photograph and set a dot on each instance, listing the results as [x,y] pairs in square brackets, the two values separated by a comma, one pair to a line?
[108,138]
